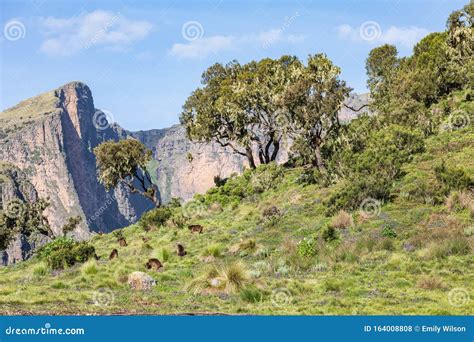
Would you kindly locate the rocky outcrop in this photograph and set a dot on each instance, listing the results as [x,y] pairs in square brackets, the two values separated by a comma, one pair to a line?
[51,138]
[14,186]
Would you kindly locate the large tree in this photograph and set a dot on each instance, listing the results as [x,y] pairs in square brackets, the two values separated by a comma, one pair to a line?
[124,162]
[238,107]
[313,100]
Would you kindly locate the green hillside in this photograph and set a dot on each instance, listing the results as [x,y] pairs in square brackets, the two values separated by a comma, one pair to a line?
[409,257]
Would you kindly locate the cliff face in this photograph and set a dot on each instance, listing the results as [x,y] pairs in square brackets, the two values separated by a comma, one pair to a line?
[50,138]
[14,185]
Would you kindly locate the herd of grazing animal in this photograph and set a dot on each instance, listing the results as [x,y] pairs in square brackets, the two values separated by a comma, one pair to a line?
[153,263]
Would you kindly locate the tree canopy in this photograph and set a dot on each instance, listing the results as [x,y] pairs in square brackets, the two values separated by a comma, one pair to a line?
[124,162]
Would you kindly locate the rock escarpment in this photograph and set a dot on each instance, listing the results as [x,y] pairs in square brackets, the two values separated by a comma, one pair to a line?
[50,138]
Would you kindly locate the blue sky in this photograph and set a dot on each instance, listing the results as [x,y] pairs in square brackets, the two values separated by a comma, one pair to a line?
[143,58]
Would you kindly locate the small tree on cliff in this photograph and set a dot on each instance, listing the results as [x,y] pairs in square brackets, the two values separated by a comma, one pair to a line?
[124,162]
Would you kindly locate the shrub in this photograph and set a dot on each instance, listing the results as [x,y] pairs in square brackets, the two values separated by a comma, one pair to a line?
[155,218]
[329,234]
[306,248]
[460,200]
[342,220]
[452,178]
[388,232]
[307,177]
[65,252]
[271,215]
[118,234]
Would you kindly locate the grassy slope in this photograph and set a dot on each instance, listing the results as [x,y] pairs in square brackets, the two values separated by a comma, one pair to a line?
[361,273]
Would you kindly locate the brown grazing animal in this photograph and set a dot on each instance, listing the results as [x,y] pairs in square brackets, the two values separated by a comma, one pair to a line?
[195,228]
[122,242]
[114,254]
[153,264]
[180,250]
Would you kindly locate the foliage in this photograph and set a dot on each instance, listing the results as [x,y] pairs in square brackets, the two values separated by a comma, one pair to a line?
[72,223]
[307,247]
[371,172]
[124,162]
[452,178]
[65,252]
[313,100]
[26,218]
[156,217]
[388,232]
[329,234]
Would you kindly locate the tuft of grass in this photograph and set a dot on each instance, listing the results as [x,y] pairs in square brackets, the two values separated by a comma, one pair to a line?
[164,255]
[430,283]
[235,276]
[214,250]
[90,267]
[342,220]
[251,294]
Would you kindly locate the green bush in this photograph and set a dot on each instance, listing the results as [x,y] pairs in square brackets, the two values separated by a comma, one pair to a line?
[329,234]
[388,232]
[155,218]
[452,178]
[371,172]
[307,248]
[65,252]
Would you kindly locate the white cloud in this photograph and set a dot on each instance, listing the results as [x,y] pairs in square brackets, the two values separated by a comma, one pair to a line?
[203,47]
[98,28]
[372,33]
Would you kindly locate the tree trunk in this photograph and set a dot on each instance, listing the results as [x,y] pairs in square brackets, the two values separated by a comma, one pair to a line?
[276,148]
[319,159]
[249,154]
